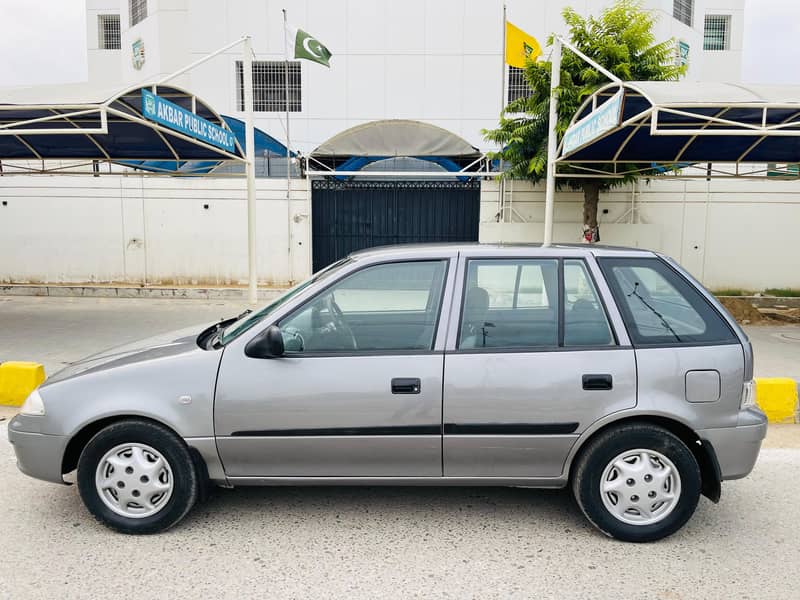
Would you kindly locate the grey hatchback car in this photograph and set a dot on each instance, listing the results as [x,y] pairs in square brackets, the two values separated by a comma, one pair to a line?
[608,370]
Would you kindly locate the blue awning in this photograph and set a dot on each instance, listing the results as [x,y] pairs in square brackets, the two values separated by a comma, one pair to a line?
[264,144]
[675,124]
[110,128]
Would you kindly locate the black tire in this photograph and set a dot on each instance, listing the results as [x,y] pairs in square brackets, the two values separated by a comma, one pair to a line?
[186,482]
[588,472]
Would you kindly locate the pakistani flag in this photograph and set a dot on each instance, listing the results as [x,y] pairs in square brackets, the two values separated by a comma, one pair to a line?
[308,47]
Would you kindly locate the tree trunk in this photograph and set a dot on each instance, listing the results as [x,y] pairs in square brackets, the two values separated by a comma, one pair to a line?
[591,196]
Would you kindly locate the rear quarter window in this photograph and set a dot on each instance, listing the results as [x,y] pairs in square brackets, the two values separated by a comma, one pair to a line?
[660,307]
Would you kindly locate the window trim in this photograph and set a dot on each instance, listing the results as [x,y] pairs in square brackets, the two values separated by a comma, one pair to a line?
[386,352]
[560,300]
[630,323]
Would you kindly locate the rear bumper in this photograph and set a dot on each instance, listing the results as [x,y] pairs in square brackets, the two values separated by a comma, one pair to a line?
[38,455]
[737,448]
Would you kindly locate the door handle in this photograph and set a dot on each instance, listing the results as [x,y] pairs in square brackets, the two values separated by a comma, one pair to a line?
[597,382]
[406,385]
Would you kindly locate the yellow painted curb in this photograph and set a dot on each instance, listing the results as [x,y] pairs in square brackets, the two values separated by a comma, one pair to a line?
[777,397]
[18,380]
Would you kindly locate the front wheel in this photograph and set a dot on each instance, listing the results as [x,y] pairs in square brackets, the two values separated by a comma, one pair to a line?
[137,477]
[637,483]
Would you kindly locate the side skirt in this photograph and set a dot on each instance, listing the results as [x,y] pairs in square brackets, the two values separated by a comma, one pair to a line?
[534,482]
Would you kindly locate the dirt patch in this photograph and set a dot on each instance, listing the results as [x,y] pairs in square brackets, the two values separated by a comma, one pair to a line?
[744,312]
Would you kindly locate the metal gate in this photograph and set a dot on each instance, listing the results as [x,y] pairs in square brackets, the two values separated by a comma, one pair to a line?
[351,215]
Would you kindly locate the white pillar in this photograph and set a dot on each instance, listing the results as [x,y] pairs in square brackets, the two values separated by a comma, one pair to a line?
[552,143]
[250,171]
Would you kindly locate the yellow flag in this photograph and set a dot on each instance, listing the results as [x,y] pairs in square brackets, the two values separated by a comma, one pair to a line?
[519,46]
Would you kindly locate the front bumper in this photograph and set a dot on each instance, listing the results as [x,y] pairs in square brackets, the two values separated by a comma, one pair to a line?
[737,448]
[38,455]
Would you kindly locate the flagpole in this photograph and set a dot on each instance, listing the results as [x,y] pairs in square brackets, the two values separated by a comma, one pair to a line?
[503,64]
[288,153]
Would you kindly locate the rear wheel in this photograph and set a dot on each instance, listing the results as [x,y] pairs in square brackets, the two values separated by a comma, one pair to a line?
[637,483]
[137,477]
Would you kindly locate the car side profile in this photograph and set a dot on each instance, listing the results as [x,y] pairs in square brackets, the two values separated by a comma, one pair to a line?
[608,370]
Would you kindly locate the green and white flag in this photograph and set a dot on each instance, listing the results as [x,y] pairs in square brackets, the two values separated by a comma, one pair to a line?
[305,45]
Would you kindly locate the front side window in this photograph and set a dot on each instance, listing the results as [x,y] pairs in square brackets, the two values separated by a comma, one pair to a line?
[510,304]
[388,307]
[661,307]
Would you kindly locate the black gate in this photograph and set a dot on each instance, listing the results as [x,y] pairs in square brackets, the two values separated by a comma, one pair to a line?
[349,216]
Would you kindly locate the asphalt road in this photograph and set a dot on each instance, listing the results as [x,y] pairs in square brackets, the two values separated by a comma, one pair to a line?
[369,542]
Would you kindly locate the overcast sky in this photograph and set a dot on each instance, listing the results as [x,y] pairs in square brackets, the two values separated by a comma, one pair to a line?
[44,41]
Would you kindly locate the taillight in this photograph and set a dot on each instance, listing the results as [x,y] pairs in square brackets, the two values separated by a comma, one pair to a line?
[748,394]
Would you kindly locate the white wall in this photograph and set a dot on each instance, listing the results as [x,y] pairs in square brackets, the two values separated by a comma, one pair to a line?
[436,61]
[727,233]
[103,65]
[724,65]
[153,230]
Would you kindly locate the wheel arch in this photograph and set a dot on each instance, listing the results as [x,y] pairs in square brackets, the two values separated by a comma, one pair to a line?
[76,444]
[702,450]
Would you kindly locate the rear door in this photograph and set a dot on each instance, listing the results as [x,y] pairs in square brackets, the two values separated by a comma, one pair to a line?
[685,351]
[532,362]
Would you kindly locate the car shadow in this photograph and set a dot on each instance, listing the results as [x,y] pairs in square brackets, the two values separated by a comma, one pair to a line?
[422,503]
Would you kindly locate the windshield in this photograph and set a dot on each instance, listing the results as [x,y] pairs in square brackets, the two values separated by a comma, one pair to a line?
[239,326]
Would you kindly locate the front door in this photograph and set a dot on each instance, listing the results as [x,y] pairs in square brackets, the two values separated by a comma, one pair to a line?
[358,392]
[534,363]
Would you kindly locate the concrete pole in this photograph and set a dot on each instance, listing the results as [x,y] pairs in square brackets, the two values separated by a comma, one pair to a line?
[552,143]
[250,171]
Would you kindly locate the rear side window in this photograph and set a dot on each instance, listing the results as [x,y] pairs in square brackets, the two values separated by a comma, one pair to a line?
[510,304]
[660,307]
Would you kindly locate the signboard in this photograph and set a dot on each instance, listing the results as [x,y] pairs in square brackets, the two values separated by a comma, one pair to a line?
[604,118]
[178,118]
[137,54]
[682,57]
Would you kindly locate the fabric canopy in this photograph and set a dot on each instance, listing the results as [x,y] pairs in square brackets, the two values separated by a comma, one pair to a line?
[396,137]
[678,123]
[91,124]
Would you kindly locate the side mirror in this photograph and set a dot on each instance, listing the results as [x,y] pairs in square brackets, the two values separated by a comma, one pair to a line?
[267,344]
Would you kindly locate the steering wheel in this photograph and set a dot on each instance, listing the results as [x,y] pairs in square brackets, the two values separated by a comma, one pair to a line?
[337,319]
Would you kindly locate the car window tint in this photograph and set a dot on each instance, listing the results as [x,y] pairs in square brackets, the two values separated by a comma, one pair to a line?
[509,304]
[661,307]
[585,321]
[385,307]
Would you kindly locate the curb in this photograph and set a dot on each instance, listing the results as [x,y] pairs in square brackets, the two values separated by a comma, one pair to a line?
[778,398]
[18,380]
[90,291]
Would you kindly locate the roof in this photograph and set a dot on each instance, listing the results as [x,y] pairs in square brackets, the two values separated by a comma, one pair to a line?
[88,123]
[495,249]
[678,123]
[396,137]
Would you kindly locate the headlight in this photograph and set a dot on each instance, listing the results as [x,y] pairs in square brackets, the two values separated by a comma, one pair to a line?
[33,405]
[748,394]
